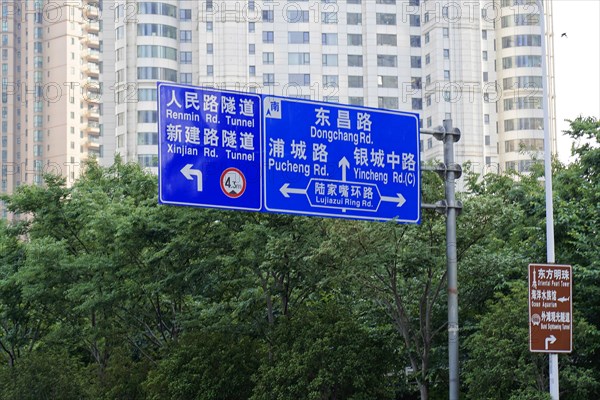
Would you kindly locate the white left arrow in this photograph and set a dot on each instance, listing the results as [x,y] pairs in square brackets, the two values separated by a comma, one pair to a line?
[286,190]
[189,174]
[550,339]
[399,199]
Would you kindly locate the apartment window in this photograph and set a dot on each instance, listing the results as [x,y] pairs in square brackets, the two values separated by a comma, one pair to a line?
[415,20]
[385,60]
[385,19]
[210,70]
[268,37]
[355,81]
[252,70]
[298,37]
[146,116]
[485,77]
[296,16]
[385,81]
[148,160]
[329,39]
[354,18]
[331,81]
[486,120]
[330,17]
[147,138]
[251,27]
[299,79]
[185,57]
[446,54]
[416,82]
[330,60]
[355,60]
[185,36]
[185,14]
[167,31]
[185,78]
[354,39]
[415,41]
[298,58]
[446,32]
[268,16]
[415,62]
[356,101]
[484,55]
[251,48]
[268,57]
[387,39]
[209,48]
[427,38]
[521,41]
[146,94]
[209,26]
[446,75]
[429,122]
[387,102]
[484,34]
[417,103]
[268,79]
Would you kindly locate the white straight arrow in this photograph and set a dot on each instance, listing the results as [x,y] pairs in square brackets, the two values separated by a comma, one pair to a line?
[344,164]
[286,190]
[550,339]
[399,199]
[189,174]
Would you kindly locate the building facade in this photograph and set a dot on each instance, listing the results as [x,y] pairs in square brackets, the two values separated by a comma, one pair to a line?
[79,77]
[475,62]
[50,90]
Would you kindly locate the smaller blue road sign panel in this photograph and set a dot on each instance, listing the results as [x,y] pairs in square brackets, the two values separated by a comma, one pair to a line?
[209,147]
[340,161]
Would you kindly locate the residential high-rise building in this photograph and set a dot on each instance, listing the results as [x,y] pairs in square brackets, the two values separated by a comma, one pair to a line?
[477,63]
[79,78]
[50,90]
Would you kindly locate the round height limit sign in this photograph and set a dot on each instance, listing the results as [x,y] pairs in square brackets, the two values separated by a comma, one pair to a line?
[550,308]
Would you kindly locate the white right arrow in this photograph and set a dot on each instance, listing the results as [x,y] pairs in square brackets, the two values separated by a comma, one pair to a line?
[189,174]
[550,340]
[400,199]
[344,164]
[563,299]
[286,190]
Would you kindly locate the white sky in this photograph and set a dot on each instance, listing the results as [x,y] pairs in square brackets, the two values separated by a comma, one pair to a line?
[576,63]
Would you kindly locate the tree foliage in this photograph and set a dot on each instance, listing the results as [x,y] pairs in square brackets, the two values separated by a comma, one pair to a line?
[105,294]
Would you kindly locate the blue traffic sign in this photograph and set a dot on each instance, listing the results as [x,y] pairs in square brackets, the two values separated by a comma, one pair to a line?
[341,161]
[264,153]
[209,148]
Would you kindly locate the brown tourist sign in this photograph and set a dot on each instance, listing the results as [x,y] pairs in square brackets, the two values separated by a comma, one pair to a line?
[550,308]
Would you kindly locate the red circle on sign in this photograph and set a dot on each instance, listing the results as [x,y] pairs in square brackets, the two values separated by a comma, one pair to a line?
[233,183]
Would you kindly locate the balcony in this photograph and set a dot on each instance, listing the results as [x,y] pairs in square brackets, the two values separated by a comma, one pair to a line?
[91,40]
[93,113]
[91,55]
[92,128]
[92,27]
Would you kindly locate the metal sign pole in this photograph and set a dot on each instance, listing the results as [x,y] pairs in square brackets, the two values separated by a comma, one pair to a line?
[553,357]
[451,214]
[450,171]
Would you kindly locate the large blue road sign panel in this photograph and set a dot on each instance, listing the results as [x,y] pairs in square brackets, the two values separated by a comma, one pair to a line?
[252,152]
[340,161]
[209,147]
